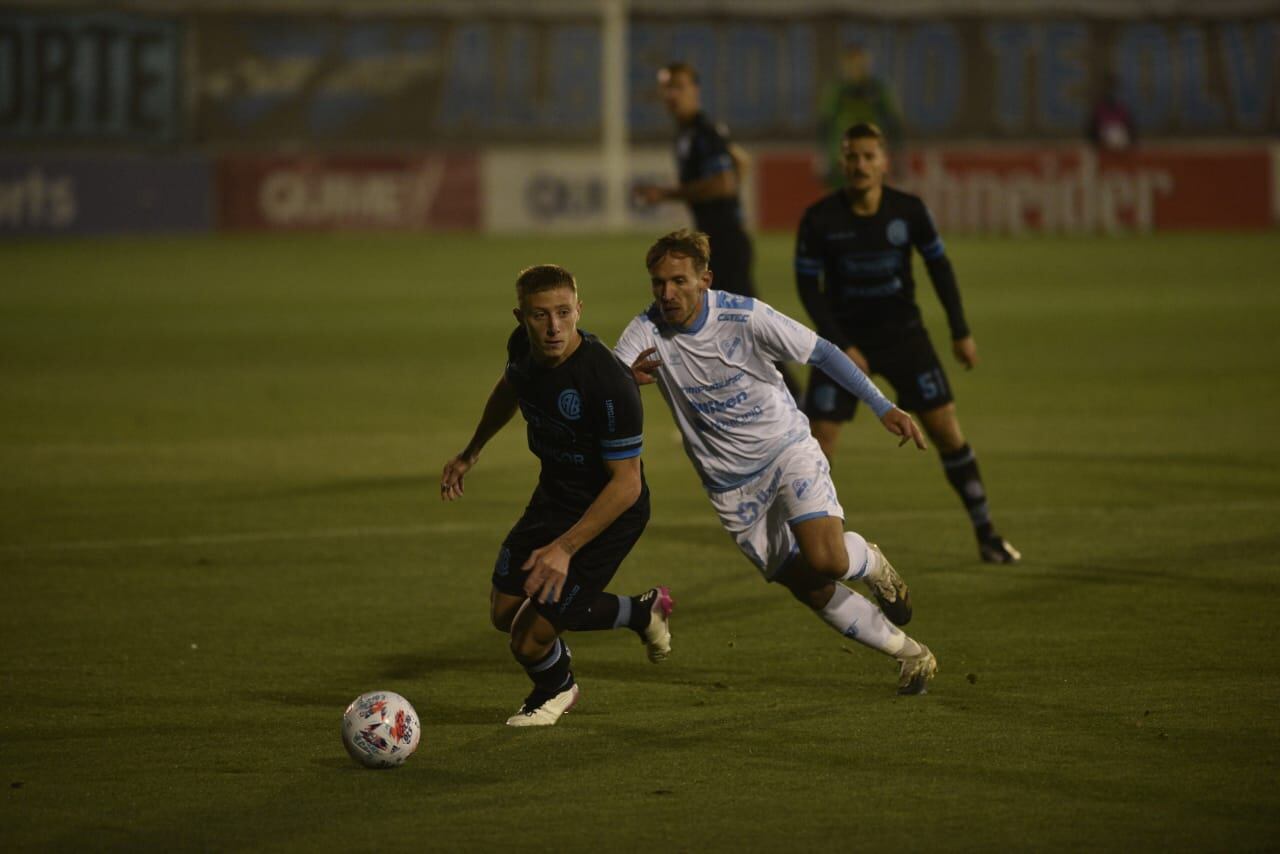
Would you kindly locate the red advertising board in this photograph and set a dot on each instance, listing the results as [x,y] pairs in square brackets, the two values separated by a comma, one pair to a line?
[1051,189]
[357,193]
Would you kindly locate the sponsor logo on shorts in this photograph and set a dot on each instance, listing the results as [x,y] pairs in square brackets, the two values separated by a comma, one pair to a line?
[748,512]
[765,495]
[564,604]
[503,564]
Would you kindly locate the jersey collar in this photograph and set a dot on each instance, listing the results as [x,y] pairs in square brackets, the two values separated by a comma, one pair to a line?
[701,319]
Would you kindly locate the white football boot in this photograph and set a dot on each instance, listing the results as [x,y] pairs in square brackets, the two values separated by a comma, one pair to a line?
[888,588]
[547,712]
[657,636]
[915,671]
[998,550]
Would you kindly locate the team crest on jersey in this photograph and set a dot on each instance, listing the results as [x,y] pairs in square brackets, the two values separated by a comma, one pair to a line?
[731,346]
[570,404]
[733,301]
[897,232]
[800,486]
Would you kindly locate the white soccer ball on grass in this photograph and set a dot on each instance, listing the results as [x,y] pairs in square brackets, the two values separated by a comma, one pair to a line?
[380,729]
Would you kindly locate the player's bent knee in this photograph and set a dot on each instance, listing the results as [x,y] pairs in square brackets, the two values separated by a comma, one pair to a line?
[526,648]
[830,561]
[503,609]
[833,567]
[808,587]
[531,636]
[813,595]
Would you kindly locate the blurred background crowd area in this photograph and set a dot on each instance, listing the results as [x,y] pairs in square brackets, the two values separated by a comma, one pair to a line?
[1008,117]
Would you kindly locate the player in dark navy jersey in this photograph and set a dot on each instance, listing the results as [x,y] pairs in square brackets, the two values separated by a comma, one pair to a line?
[585,425]
[853,270]
[710,168]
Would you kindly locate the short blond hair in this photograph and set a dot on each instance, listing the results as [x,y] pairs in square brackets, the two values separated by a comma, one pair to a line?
[685,243]
[543,277]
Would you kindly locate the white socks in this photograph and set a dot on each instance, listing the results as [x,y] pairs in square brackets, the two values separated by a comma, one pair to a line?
[861,558]
[855,617]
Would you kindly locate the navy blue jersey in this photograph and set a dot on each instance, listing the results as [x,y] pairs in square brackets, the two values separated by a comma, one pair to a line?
[580,413]
[854,272]
[702,150]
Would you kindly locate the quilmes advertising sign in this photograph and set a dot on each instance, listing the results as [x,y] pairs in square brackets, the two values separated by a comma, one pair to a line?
[94,77]
[349,192]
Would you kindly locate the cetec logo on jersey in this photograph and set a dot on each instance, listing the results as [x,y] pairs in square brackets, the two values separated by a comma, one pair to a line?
[570,404]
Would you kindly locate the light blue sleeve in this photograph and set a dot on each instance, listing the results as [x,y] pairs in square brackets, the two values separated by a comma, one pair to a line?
[829,359]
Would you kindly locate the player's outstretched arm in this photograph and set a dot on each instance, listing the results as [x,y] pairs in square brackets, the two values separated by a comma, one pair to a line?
[903,426]
[549,565]
[720,185]
[498,410]
[966,351]
[837,365]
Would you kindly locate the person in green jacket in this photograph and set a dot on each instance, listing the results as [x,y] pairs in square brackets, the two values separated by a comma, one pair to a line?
[857,97]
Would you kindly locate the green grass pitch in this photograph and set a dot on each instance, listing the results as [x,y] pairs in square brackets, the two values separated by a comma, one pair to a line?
[219,522]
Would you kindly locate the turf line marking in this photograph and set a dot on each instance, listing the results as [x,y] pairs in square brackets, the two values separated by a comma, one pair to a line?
[697,521]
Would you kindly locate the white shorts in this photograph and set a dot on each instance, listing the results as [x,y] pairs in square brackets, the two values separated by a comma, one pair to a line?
[759,514]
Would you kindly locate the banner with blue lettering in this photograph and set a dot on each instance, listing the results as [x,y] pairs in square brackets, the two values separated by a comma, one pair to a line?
[267,79]
[91,77]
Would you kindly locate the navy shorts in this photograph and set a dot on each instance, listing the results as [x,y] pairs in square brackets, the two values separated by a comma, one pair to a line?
[909,364]
[590,569]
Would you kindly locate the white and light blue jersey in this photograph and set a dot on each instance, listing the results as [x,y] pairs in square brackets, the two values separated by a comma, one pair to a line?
[719,378]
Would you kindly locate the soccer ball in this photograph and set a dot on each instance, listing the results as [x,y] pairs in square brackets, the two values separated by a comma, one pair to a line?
[380,729]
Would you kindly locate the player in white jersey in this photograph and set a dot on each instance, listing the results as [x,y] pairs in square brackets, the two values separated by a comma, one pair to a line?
[712,355]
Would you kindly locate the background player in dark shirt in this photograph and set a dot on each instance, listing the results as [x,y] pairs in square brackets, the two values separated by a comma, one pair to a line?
[590,506]
[710,170]
[710,167]
[853,270]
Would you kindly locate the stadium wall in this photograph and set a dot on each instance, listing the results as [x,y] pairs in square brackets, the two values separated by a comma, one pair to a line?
[187,116]
[1019,189]
[521,79]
